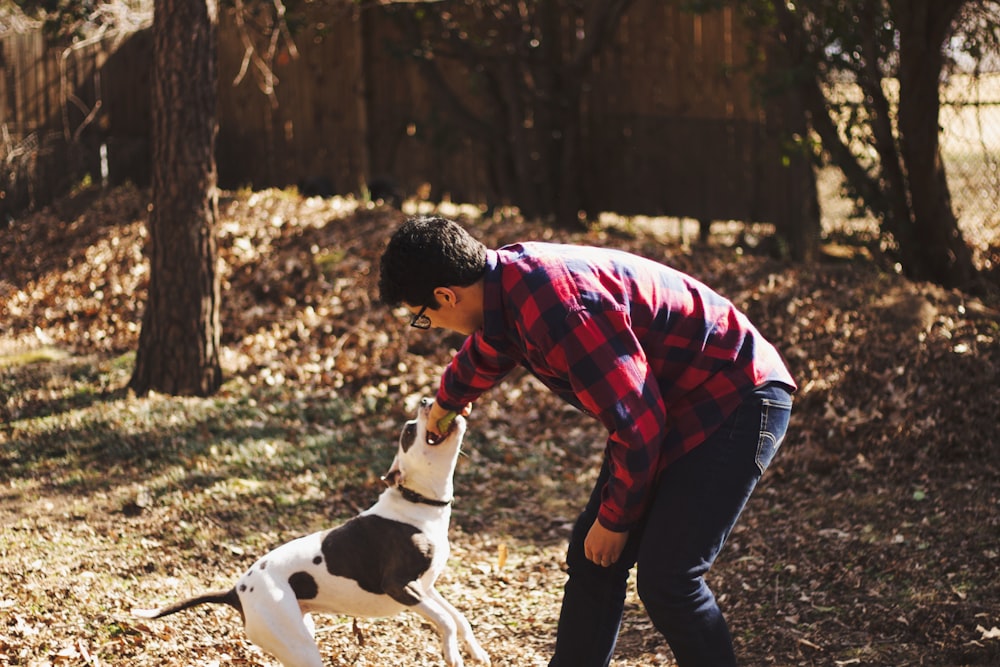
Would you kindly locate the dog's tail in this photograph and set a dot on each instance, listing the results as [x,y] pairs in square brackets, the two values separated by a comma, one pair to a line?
[229,597]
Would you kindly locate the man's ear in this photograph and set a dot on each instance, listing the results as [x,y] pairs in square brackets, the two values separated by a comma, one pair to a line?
[445,296]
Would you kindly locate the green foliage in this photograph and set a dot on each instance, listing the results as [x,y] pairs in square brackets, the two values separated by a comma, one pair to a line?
[977,34]
[861,70]
[66,21]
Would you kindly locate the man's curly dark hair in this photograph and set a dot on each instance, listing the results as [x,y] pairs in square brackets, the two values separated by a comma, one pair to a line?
[425,253]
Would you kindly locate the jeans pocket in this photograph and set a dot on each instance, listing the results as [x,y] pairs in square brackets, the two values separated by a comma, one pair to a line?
[774,416]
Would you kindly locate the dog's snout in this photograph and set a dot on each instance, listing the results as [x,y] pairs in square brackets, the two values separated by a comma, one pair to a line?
[426,402]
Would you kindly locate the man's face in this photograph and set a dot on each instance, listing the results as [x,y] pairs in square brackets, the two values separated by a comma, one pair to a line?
[451,318]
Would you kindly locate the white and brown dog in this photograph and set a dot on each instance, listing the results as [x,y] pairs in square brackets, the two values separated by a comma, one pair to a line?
[379,563]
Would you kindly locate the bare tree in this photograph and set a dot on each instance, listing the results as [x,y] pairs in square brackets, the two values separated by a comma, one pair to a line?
[179,341]
[887,148]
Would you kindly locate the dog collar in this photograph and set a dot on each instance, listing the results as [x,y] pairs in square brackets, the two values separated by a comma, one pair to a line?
[414,497]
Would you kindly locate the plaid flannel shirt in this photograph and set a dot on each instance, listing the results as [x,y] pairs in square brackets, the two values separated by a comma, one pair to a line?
[659,358]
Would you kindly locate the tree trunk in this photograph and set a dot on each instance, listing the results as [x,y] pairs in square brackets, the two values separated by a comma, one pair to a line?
[179,342]
[897,214]
[940,253]
[798,223]
[793,40]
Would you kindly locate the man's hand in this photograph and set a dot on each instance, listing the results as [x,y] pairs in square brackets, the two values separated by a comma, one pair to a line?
[603,547]
[438,413]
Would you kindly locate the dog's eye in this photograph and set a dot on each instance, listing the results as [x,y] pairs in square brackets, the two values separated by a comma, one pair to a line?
[408,436]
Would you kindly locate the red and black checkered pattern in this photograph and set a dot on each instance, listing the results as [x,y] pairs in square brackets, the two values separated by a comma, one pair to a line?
[658,357]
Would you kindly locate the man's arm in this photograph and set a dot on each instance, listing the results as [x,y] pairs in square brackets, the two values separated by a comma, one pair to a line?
[477,367]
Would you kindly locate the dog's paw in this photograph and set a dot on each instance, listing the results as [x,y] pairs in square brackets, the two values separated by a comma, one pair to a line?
[477,653]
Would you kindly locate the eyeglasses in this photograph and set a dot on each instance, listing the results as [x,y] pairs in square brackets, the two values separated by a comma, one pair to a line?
[420,320]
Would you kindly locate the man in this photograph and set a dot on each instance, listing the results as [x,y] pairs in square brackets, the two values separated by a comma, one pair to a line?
[696,403]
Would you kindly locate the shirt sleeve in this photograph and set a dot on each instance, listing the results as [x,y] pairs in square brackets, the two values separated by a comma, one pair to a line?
[610,376]
[477,367]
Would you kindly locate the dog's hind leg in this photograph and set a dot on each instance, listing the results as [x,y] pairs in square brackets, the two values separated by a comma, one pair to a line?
[464,629]
[281,629]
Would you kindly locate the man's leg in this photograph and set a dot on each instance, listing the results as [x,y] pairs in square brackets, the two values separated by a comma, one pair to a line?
[697,502]
[594,596]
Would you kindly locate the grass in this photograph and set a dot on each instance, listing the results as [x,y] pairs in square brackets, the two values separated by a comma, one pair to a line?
[108,500]
[35,356]
[183,481]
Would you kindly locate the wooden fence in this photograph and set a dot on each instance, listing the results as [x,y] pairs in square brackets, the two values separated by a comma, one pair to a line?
[68,114]
[670,127]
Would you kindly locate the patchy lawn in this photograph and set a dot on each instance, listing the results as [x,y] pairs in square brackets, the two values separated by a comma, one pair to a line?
[873,539]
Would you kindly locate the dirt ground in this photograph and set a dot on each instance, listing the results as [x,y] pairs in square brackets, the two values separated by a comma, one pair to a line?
[872,540]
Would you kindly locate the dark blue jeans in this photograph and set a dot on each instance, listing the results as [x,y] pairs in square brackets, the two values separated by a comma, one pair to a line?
[695,505]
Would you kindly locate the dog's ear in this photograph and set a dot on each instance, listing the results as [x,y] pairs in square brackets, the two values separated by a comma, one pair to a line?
[394,476]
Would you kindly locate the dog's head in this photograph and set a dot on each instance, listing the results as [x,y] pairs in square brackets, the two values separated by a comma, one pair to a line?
[421,467]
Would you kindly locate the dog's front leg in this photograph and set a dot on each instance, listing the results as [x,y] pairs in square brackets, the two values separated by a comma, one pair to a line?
[464,629]
[431,609]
